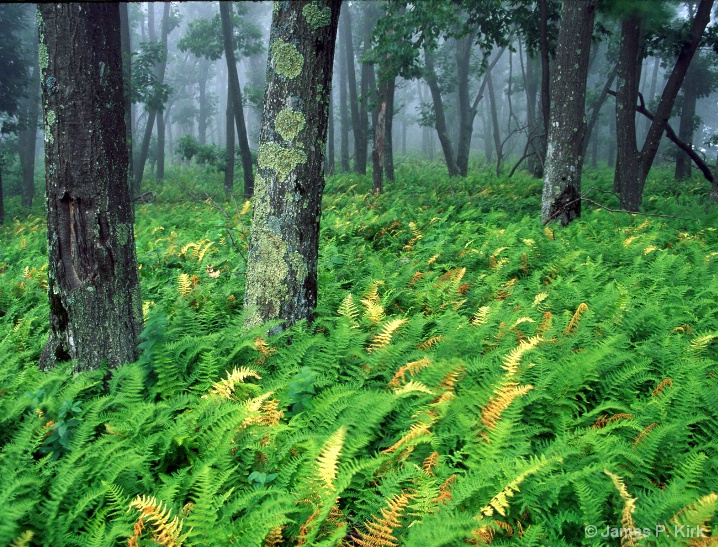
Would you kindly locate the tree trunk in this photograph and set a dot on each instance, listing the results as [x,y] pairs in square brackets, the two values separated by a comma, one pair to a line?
[530,77]
[95,302]
[330,139]
[596,108]
[27,136]
[160,175]
[561,199]
[236,95]
[545,79]
[685,129]
[496,131]
[284,239]
[439,115]
[627,160]
[2,198]
[365,86]
[466,115]
[343,110]
[389,129]
[203,113]
[229,133]
[611,152]
[127,82]
[379,125]
[346,29]
[650,96]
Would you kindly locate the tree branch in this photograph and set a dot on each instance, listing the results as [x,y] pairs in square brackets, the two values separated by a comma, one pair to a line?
[671,134]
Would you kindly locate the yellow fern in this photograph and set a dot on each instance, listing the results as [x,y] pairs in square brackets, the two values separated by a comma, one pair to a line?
[328,459]
[413,387]
[203,251]
[166,530]
[504,396]
[700,343]
[430,463]
[380,531]
[184,284]
[431,342]
[500,502]
[582,307]
[23,540]
[513,358]
[546,323]
[349,309]
[274,537]
[629,507]
[416,430]
[415,231]
[696,515]
[479,318]
[412,368]
[432,259]
[383,338]
[225,387]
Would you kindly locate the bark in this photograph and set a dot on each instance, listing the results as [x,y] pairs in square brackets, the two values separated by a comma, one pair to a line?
[685,129]
[545,78]
[160,175]
[346,30]
[530,77]
[651,95]
[229,128]
[152,109]
[203,114]
[564,156]
[27,136]
[596,108]
[377,155]
[127,81]
[634,171]
[495,130]
[330,139]
[389,129]
[366,85]
[611,152]
[343,112]
[93,286]
[439,114]
[284,238]
[236,96]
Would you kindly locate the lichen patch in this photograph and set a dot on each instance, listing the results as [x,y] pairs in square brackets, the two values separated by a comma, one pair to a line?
[286,59]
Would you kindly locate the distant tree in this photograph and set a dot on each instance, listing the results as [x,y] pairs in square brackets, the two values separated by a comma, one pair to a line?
[94,290]
[632,164]
[13,83]
[564,157]
[284,240]
[205,38]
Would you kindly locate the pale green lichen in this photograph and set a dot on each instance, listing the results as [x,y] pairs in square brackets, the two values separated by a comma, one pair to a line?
[50,120]
[317,17]
[123,234]
[279,159]
[42,57]
[286,59]
[289,123]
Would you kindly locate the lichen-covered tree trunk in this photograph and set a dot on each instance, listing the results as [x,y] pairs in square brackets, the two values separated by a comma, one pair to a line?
[284,238]
[564,155]
[94,291]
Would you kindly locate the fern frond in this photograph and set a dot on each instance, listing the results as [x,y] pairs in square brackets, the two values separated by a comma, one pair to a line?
[430,463]
[500,502]
[380,531]
[184,284]
[274,537]
[546,323]
[328,459]
[700,343]
[642,435]
[430,342]
[349,309]
[479,318]
[165,530]
[23,540]
[666,382]
[432,259]
[225,388]
[416,430]
[383,338]
[629,507]
[513,358]
[582,307]
[412,368]
[504,396]
[412,387]
[697,515]
[604,419]
[373,309]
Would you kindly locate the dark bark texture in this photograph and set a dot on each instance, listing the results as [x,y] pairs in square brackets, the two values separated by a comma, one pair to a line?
[95,302]
[236,98]
[284,239]
[567,130]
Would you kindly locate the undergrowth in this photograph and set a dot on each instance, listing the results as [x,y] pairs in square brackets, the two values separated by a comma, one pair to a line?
[471,378]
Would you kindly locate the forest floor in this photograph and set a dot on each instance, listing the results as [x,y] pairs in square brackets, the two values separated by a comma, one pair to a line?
[471,377]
